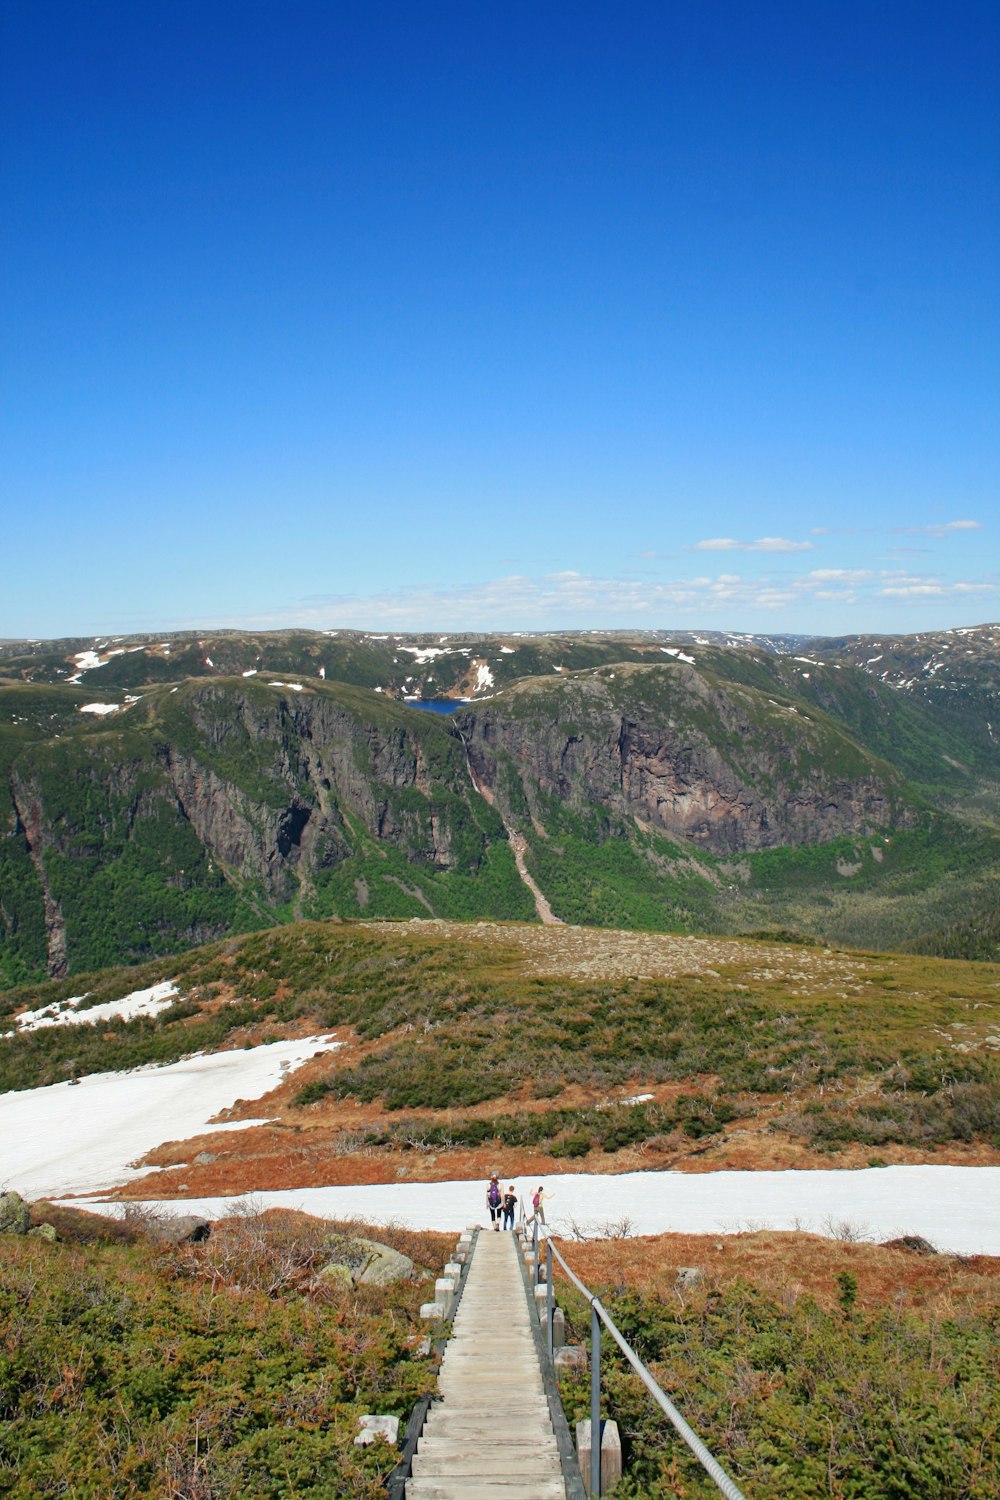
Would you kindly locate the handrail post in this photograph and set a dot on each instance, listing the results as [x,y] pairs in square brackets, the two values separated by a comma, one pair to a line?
[534,1247]
[548,1294]
[595,1401]
[598,1314]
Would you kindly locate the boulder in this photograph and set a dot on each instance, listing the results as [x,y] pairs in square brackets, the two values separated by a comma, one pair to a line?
[374,1428]
[915,1243]
[570,1357]
[383,1265]
[688,1277]
[14,1214]
[179,1229]
[368,1262]
[338,1274]
[43,1232]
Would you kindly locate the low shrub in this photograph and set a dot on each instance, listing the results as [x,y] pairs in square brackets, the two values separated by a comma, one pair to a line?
[798,1401]
[211,1372]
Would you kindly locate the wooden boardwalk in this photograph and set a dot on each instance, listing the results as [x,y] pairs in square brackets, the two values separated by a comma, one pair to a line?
[490,1435]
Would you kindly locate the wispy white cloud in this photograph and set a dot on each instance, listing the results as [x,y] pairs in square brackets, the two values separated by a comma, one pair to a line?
[933,588]
[762,544]
[939,529]
[574,600]
[834,575]
[841,598]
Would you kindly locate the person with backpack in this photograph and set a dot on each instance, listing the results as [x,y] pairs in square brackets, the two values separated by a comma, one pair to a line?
[538,1205]
[509,1205]
[494,1199]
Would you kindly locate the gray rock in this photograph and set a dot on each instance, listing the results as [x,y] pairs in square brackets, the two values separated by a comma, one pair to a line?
[180,1229]
[14,1216]
[915,1243]
[368,1262]
[338,1274]
[43,1232]
[384,1265]
[570,1357]
[205,1158]
[689,1277]
[373,1428]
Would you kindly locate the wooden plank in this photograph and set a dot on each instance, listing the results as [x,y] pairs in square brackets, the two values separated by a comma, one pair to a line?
[491,1433]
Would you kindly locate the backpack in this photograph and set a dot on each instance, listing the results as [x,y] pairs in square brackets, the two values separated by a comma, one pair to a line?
[537,1198]
[493,1196]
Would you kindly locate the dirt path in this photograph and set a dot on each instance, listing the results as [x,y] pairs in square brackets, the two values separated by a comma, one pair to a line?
[519,844]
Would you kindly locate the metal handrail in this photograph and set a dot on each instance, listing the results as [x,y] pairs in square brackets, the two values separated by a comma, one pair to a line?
[599,1314]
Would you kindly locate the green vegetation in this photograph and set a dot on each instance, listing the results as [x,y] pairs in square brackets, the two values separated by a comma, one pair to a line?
[379,880]
[54,1054]
[460,1020]
[976,936]
[798,1401]
[558,1132]
[218,800]
[602,873]
[216,1371]
[962,1104]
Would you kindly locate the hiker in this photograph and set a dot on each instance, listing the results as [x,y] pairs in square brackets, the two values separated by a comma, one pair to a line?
[509,1205]
[494,1199]
[538,1205]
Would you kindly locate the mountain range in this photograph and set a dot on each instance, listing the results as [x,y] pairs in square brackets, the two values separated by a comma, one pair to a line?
[158,792]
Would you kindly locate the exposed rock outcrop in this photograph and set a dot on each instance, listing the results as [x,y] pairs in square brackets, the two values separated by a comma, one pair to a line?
[29,825]
[727,768]
[365,1262]
[15,1215]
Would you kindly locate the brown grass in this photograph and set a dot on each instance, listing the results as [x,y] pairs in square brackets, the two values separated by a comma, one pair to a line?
[788,1266]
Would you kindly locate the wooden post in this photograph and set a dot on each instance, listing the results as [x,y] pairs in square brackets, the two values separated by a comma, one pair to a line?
[610,1455]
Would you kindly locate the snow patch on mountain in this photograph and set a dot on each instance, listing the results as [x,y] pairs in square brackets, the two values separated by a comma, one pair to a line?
[147,1002]
[86,1137]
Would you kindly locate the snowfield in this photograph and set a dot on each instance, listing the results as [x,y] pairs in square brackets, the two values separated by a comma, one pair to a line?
[956,1208]
[71,1139]
[65,1013]
[80,1138]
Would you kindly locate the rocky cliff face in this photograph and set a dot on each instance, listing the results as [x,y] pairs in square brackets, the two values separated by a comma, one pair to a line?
[215,804]
[268,781]
[722,766]
[29,828]
[218,802]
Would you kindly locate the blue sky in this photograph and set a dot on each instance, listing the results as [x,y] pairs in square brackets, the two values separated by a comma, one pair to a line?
[456,316]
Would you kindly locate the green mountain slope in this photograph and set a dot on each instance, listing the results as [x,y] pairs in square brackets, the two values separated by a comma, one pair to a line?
[155,802]
[214,807]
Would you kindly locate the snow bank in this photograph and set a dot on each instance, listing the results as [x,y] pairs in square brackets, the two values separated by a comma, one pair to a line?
[956,1208]
[65,1013]
[99,708]
[73,1138]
